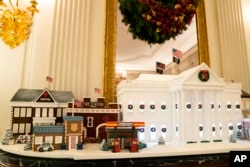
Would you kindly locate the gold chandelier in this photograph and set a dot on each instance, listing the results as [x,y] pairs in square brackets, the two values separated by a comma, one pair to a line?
[15,23]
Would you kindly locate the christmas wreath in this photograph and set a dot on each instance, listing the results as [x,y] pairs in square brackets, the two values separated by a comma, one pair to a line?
[156,21]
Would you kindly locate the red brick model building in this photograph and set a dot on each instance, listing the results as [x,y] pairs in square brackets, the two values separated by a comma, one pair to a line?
[95,115]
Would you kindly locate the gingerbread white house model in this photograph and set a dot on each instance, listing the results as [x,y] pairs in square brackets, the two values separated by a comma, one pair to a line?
[191,107]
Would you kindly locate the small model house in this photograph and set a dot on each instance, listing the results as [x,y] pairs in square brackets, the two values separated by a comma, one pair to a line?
[51,134]
[68,135]
[73,131]
[194,106]
[122,135]
[28,106]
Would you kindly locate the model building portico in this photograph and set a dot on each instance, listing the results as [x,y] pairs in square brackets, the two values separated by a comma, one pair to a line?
[194,106]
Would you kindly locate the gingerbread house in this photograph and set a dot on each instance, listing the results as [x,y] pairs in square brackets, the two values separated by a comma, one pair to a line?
[30,106]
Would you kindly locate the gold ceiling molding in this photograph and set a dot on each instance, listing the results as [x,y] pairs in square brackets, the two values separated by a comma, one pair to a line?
[15,23]
[110,46]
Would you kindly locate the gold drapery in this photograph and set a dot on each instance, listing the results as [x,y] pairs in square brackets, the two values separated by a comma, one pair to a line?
[110,46]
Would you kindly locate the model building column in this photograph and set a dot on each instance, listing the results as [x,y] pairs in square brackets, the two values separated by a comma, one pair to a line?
[206,115]
[187,112]
[175,115]
[180,118]
[184,130]
[217,114]
[224,121]
[195,116]
[213,114]
[200,114]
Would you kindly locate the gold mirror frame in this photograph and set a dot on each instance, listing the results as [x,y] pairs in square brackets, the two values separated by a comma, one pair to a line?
[109,89]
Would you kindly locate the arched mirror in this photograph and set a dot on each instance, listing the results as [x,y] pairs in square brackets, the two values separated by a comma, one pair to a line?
[111,41]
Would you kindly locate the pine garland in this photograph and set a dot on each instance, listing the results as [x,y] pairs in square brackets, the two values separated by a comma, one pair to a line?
[156,21]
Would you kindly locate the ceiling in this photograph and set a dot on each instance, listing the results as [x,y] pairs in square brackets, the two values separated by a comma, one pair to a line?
[136,55]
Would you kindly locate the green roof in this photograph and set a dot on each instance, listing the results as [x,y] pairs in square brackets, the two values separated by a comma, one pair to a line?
[73,118]
[30,95]
[48,129]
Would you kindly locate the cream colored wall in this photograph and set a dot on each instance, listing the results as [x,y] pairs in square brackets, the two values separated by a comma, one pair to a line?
[229,39]
[72,56]
[246,18]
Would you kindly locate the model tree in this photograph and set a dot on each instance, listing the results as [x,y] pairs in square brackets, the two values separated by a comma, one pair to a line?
[104,145]
[239,134]
[7,137]
[232,139]
[161,140]
[28,145]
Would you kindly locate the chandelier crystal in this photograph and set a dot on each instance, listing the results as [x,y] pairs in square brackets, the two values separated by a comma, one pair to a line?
[15,23]
[120,74]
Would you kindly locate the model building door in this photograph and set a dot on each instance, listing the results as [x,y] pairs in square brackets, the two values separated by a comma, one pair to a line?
[72,142]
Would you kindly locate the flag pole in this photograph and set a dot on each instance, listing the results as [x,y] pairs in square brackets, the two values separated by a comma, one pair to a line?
[46,84]
[73,107]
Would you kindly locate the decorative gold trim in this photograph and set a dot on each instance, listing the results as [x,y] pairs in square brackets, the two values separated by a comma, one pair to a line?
[202,38]
[110,52]
[110,46]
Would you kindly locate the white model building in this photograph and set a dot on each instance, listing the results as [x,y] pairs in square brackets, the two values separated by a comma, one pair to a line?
[191,107]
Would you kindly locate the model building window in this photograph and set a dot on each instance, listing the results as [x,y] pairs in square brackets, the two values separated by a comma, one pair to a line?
[23,112]
[16,112]
[130,108]
[27,128]
[64,111]
[49,139]
[15,128]
[237,107]
[44,112]
[142,106]
[141,134]
[164,131]
[230,128]
[90,121]
[39,140]
[21,128]
[58,139]
[152,107]
[229,107]
[29,112]
[152,132]
[51,112]
[59,112]
[37,112]
[163,107]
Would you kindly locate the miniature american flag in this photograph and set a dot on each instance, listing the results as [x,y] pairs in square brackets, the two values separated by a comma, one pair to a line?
[97,90]
[177,53]
[49,79]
